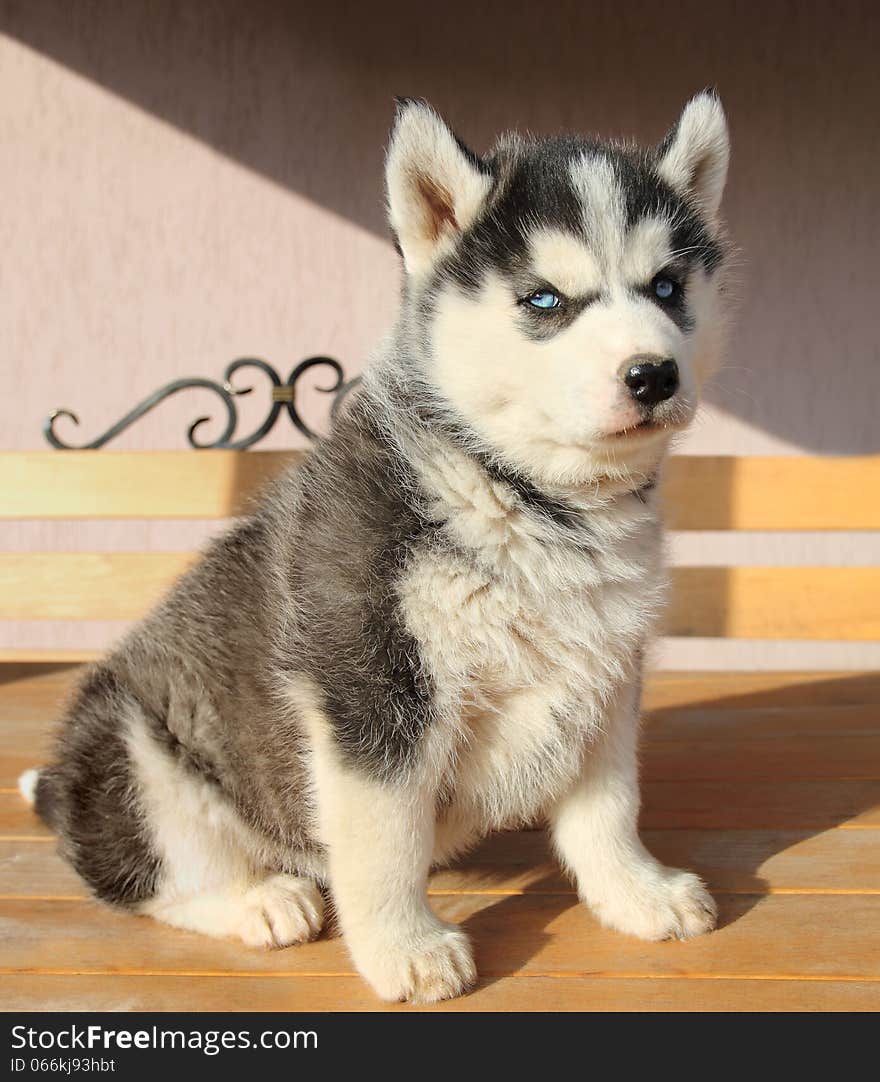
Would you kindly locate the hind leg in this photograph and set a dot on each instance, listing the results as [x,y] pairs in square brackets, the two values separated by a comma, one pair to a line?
[213,878]
[277,912]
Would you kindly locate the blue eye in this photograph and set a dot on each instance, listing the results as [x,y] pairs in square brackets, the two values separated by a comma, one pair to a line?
[544,299]
[664,288]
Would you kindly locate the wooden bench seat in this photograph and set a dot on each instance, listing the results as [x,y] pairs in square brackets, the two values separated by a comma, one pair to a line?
[767,784]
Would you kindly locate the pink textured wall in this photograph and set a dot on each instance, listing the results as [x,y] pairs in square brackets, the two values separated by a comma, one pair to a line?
[186,183]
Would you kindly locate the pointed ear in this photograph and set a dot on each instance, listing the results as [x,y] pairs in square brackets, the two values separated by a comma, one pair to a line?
[436,186]
[693,157]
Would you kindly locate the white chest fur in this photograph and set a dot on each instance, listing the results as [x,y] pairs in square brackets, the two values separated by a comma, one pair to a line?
[528,633]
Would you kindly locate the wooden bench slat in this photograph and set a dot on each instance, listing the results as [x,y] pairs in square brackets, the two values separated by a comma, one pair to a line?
[703,492]
[773,493]
[770,936]
[16,655]
[833,603]
[837,603]
[114,992]
[85,585]
[757,722]
[792,758]
[18,820]
[134,484]
[743,804]
[741,690]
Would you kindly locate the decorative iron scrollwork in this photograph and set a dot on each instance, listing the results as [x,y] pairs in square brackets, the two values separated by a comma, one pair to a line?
[283,397]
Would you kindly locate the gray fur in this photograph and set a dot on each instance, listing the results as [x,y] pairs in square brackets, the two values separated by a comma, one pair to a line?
[306,584]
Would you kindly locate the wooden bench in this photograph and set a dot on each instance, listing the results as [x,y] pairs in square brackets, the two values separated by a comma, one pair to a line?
[768,784]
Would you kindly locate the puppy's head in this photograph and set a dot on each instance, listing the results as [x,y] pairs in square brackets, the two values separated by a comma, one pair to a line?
[565,292]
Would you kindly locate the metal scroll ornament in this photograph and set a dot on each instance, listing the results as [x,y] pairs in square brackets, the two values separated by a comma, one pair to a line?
[283,398]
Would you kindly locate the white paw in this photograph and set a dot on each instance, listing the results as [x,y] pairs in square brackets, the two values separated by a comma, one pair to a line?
[657,903]
[281,910]
[437,965]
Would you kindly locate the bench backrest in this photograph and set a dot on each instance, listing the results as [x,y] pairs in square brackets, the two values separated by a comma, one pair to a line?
[701,493]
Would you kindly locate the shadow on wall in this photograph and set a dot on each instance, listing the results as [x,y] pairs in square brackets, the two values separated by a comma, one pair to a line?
[302,94]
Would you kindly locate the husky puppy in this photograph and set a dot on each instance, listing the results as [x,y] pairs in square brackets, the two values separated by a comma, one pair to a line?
[434,628]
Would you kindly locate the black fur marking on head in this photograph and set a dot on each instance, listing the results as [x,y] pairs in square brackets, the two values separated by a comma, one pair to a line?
[676,308]
[646,195]
[533,190]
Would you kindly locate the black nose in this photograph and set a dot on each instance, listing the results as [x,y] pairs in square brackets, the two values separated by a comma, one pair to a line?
[650,379]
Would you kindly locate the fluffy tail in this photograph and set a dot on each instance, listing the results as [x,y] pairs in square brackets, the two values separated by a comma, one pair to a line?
[35,786]
[27,785]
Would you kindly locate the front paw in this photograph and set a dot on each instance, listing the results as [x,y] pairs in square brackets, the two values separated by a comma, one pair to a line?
[432,965]
[657,903]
